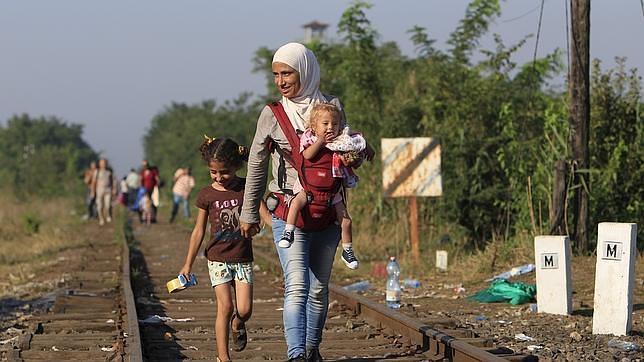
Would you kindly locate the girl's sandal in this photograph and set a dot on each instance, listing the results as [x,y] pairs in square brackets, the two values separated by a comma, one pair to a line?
[240,338]
[218,360]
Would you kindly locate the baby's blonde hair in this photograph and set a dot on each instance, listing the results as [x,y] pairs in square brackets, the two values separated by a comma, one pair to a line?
[321,108]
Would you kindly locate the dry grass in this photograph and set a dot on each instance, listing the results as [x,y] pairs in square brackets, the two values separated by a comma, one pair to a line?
[465,265]
[498,256]
[33,230]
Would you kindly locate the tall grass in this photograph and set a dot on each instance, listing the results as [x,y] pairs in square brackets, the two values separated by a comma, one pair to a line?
[32,229]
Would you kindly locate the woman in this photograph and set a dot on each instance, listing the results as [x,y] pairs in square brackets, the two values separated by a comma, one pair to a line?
[307,263]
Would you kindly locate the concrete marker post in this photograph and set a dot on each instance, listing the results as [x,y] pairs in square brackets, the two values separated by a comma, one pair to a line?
[554,274]
[441,260]
[614,278]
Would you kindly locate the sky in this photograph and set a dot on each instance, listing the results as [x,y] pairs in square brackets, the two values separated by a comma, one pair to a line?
[112,65]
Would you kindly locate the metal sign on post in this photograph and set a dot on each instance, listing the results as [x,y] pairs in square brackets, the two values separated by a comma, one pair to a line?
[411,168]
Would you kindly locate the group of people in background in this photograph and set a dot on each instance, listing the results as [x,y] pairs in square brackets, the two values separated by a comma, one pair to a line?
[138,191]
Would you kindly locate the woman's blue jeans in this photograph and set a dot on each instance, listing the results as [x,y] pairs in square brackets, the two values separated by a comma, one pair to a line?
[176,200]
[307,269]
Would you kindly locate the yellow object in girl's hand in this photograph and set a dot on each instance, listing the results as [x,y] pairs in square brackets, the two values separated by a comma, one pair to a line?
[180,283]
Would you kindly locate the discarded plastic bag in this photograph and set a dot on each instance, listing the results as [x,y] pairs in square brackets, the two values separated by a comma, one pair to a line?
[157,319]
[505,291]
[517,270]
[624,345]
[523,338]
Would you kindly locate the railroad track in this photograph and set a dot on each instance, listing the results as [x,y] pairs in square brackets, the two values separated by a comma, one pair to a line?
[190,332]
[86,320]
[99,318]
[357,328]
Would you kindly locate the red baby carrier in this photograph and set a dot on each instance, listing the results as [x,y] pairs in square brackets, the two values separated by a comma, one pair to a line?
[314,175]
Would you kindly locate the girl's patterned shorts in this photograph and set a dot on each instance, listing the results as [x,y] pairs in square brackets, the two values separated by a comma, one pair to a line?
[222,272]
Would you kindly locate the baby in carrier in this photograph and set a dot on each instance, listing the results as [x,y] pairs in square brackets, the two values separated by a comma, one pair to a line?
[324,131]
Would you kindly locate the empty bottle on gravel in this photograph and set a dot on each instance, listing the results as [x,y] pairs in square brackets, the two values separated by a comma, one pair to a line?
[393,292]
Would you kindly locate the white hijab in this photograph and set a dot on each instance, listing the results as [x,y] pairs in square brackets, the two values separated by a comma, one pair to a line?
[302,59]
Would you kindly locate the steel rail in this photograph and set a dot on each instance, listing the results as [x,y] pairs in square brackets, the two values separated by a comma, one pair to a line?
[133,340]
[431,341]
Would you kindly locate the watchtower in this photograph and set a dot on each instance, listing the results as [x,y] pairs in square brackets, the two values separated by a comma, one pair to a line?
[314,31]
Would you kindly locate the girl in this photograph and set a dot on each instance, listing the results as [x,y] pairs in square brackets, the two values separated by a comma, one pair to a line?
[145,205]
[324,131]
[230,256]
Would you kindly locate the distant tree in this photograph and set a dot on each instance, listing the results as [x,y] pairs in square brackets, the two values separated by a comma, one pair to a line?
[616,145]
[176,133]
[43,156]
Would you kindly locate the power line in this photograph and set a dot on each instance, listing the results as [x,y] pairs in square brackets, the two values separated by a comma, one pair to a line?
[524,15]
[642,4]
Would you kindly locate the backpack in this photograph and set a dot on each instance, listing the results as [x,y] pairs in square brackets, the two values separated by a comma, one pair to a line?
[314,175]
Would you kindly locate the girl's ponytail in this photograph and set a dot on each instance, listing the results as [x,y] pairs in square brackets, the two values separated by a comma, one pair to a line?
[209,147]
[223,150]
[244,152]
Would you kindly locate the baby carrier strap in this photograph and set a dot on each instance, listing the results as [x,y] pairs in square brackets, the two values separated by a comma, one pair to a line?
[294,158]
[286,126]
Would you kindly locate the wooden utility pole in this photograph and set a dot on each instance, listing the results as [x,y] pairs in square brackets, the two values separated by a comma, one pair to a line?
[413,228]
[558,210]
[579,90]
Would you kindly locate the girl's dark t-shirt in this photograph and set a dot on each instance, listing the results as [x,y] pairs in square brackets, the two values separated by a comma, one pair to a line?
[226,243]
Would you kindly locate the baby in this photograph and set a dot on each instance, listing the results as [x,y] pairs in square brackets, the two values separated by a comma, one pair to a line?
[324,131]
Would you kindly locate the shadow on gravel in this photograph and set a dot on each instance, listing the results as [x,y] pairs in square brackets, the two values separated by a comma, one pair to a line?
[587,312]
[12,307]
[9,305]
[157,338]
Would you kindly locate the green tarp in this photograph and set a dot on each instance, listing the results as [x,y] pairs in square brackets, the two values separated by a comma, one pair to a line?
[502,290]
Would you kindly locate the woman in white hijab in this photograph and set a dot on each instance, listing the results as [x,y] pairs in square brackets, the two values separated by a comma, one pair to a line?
[307,263]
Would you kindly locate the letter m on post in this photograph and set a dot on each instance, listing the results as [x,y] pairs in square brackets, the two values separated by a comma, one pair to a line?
[549,261]
[612,250]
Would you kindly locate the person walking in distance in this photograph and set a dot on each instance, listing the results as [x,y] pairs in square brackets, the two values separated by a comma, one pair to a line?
[103,187]
[88,179]
[133,181]
[149,180]
[229,254]
[183,185]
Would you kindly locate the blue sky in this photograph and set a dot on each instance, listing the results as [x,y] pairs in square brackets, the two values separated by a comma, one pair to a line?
[112,66]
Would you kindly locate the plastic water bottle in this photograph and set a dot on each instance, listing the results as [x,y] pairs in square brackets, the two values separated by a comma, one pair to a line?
[411,283]
[392,295]
[358,287]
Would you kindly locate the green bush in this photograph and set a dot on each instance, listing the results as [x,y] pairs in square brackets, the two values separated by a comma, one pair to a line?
[31,223]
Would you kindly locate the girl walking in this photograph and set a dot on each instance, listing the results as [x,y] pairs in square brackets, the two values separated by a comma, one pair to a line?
[230,256]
